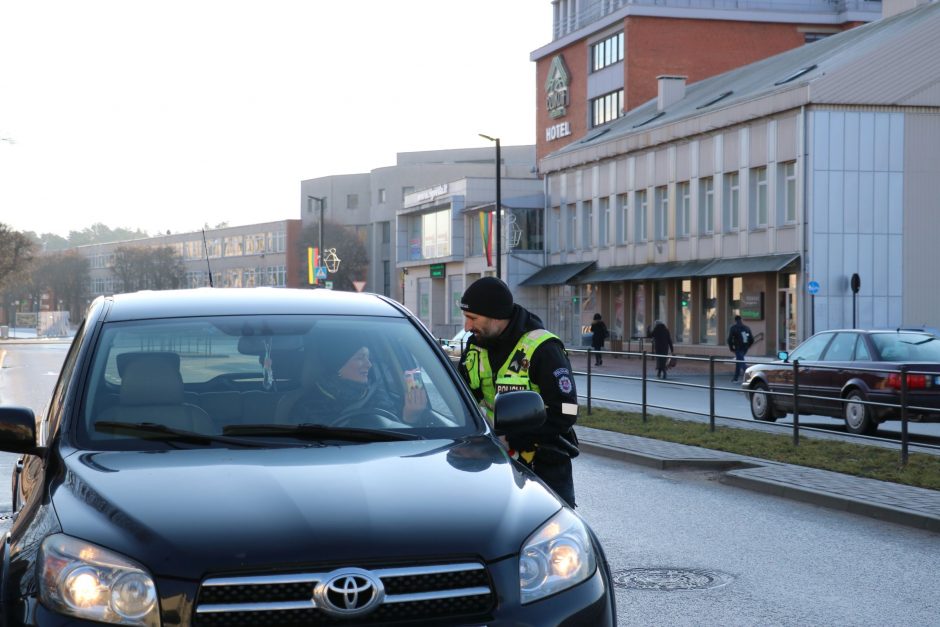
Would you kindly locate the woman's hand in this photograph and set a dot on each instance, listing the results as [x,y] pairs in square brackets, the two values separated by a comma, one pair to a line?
[416,403]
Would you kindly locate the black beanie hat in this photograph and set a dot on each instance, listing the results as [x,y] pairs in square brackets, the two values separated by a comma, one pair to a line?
[597,316]
[488,297]
[334,347]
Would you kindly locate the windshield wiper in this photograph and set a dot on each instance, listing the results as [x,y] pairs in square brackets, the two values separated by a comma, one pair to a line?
[321,432]
[155,431]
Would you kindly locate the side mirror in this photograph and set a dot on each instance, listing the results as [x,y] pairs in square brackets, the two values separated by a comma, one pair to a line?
[783,355]
[522,410]
[18,430]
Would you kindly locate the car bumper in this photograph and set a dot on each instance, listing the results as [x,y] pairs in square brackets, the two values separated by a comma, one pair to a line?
[588,603]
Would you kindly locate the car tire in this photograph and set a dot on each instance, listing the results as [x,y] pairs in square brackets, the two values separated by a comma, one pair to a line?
[858,417]
[762,404]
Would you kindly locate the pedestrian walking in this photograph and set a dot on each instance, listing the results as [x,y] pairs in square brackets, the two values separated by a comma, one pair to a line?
[599,334]
[662,346]
[740,339]
[509,349]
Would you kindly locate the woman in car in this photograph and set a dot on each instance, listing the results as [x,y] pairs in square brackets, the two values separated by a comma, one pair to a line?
[341,388]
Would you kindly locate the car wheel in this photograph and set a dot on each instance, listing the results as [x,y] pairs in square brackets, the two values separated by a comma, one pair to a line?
[762,405]
[858,416]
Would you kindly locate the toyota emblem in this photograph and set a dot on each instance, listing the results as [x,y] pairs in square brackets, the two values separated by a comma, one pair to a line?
[349,592]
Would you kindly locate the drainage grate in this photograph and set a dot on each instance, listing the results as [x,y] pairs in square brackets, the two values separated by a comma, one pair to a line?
[669,579]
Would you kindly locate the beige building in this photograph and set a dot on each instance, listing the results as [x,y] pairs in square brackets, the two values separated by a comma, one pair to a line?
[760,191]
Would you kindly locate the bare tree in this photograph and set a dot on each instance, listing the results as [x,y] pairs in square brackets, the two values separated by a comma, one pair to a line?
[158,268]
[16,253]
[65,276]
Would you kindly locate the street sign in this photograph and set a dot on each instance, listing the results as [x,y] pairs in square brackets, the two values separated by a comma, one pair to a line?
[328,285]
[812,287]
[321,273]
[359,285]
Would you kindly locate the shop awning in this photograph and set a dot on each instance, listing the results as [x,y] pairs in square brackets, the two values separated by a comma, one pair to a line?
[748,265]
[684,269]
[558,274]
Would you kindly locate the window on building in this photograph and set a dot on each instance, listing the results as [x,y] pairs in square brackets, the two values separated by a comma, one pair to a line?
[386,232]
[607,52]
[758,198]
[424,301]
[623,218]
[603,225]
[683,209]
[735,296]
[387,278]
[731,202]
[659,301]
[684,311]
[456,293]
[233,246]
[556,244]
[709,311]
[352,201]
[606,108]
[706,205]
[786,192]
[639,216]
[434,234]
[661,216]
[572,226]
[382,196]
[277,242]
[523,229]
[639,310]
[587,226]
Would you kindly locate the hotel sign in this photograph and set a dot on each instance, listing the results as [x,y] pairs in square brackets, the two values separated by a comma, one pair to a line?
[557,98]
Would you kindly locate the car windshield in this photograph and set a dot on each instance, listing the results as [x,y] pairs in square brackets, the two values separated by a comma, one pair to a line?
[160,383]
[909,347]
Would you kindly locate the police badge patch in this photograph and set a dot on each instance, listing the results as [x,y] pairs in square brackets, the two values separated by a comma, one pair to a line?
[564,384]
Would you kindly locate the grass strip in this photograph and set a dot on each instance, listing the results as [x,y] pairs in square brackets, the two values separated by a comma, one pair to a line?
[922,470]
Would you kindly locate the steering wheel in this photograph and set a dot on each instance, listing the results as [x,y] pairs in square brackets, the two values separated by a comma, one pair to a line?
[368,417]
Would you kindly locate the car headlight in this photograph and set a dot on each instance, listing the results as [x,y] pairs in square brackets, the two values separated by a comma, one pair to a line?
[81,579]
[556,557]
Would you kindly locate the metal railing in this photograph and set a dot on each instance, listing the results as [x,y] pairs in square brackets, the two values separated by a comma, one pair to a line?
[903,407]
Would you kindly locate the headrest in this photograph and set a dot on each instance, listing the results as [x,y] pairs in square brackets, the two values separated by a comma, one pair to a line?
[151,379]
[125,358]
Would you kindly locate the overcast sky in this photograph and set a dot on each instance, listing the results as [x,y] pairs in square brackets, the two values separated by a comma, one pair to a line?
[168,115]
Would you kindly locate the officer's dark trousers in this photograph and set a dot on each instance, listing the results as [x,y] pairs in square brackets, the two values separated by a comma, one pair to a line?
[557,474]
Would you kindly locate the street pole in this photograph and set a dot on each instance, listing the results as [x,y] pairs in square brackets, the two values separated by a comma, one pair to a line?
[321,200]
[499,210]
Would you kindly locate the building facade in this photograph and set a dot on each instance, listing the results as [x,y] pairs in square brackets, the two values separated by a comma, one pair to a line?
[237,256]
[758,192]
[371,203]
[605,55]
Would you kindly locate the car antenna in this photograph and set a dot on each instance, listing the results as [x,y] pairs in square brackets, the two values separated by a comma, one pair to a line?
[205,245]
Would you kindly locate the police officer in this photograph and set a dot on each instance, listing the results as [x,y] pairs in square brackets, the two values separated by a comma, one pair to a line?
[511,350]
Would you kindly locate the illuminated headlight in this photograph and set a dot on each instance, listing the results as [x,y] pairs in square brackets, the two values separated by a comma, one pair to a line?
[87,581]
[556,557]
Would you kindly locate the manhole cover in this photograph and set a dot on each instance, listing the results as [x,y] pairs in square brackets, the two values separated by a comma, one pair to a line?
[668,579]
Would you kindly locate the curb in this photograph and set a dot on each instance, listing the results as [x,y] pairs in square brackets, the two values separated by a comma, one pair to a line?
[734,474]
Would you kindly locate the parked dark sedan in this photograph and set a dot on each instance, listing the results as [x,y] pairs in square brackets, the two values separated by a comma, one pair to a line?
[847,374]
[185,473]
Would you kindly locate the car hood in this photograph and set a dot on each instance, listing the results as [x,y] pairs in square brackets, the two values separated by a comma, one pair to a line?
[186,513]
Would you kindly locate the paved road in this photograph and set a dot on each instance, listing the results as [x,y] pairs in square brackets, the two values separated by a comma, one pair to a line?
[780,562]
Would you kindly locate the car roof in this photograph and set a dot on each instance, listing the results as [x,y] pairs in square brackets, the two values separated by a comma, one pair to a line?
[214,301]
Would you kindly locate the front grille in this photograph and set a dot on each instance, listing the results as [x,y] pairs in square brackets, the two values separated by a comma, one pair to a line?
[437,592]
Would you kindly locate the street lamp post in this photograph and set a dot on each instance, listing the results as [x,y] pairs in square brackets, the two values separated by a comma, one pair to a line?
[321,200]
[499,211]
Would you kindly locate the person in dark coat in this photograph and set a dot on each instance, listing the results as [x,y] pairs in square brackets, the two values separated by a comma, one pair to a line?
[599,333]
[662,346]
[740,340]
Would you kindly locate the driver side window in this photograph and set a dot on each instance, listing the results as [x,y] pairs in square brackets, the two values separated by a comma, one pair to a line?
[811,349]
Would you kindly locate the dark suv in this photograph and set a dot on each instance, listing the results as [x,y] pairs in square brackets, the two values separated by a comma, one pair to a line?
[173,480]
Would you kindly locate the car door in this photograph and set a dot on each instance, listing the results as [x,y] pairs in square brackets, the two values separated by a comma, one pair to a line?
[808,354]
[834,370]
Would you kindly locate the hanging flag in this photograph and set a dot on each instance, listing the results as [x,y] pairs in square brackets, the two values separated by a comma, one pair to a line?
[486,234]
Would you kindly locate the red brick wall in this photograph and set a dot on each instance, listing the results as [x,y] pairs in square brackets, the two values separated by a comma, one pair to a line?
[654,46]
